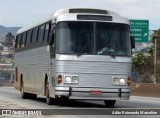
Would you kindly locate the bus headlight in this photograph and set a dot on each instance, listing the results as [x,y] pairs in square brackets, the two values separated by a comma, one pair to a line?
[71,79]
[68,79]
[122,81]
[75,79]
[115,81]
[119,80]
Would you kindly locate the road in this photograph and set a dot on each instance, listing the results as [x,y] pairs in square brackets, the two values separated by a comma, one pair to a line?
[10,99]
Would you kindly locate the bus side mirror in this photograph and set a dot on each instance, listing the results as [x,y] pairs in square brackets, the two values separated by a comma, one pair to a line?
[51,35]
[52,51]
[132,42]
[51,38]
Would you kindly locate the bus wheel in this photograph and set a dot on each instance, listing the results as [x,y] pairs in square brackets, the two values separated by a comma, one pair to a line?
[109,103]
[24,95]
[33,96]
[49,100]
[64,100]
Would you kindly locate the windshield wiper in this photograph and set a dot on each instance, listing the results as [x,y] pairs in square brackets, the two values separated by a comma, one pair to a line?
[111,52]
[80,52]
[107,51]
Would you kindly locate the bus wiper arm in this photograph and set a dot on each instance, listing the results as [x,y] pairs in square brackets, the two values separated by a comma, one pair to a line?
[107,51]
[80,52]
[111,52]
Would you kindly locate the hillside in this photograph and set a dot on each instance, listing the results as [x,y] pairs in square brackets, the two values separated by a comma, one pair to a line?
[5,30]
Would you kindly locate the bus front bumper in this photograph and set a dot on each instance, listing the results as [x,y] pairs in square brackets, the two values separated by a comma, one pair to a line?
[93,93]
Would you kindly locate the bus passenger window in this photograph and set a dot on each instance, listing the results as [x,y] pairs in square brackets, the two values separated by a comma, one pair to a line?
[34,35]
[47,30]
[20,41]
[23,43]
[29,40]
[16,74]
[41,33]
[17,42]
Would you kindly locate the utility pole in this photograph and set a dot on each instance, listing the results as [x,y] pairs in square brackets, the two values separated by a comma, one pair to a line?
[155,60]
[157,36]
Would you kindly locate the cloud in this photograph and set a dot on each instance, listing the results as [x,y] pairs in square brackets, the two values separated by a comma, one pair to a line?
[20,13]
[1,21]
[157,5]
[138,9]
[124,2]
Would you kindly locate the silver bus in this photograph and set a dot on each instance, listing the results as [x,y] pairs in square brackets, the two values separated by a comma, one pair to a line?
[76,53]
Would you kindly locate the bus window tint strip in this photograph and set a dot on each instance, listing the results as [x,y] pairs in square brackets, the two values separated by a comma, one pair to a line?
[94,17]
[30,38]
[96,11]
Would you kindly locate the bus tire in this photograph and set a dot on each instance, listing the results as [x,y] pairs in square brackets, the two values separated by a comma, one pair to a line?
[109,103]
[33,96]
[49,100]
[24,95]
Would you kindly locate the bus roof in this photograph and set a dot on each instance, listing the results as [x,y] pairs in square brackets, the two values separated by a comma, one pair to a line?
[35,24]
[67,11]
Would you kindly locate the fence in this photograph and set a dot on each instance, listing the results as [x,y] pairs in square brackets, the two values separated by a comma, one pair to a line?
[148,89]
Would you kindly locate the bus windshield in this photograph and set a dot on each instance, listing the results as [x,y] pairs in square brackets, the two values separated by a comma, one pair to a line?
[93,38]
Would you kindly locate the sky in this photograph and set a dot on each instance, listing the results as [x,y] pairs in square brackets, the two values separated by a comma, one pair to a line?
[18,13]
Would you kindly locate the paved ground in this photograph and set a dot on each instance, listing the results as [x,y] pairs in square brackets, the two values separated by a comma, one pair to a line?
[11,99]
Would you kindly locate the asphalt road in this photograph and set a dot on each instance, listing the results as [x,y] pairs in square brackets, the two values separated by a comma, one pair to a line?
[10,99]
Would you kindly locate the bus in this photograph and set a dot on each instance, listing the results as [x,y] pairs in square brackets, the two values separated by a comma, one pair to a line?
[76,53]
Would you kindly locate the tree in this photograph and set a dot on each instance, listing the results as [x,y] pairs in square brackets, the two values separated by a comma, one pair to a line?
[139,60]
[150,50]
[9,40]
[155,34]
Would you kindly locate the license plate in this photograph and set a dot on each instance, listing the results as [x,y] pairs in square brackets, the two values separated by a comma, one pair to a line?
[95,92]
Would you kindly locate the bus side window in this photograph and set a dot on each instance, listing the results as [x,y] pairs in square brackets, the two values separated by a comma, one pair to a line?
[52,35]
[29,40]
[47,30]
[41,33]
[16,74]
[34,35]
[23,43]
[20,41]
[17,42]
